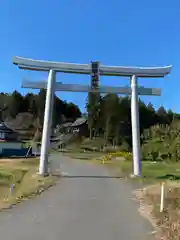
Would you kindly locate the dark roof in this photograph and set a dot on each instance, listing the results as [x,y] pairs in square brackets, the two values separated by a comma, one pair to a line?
[79,122]
[4,128]
[66,124]
[22,121]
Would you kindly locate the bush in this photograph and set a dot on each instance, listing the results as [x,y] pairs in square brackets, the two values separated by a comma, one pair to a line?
[124,147]
[126,155]
[162,142]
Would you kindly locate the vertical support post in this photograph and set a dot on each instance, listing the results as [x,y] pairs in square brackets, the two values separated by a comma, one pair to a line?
[162,198]
[43,168]
[135,127]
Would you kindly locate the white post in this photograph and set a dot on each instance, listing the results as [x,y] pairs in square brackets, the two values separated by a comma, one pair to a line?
[135,127]
[162,198]
[43,168]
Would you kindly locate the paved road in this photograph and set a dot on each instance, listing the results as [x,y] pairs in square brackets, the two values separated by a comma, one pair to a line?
[87,205]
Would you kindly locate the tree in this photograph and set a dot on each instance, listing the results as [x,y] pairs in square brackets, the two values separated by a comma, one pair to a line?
[125,133]
[148,116]
[150,107]
[40,103]
[15,104]
[72,111]
[161,111]
[162,142]
[110,106]
[170,116]
[162,115]
[93,109]
[29,103]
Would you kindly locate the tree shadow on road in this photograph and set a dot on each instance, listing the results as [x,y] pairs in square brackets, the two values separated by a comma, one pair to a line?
[89,176]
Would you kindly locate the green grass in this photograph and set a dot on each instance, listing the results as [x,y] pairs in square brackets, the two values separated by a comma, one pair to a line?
[151,171]
[22,173]
[158,171]
[83,155]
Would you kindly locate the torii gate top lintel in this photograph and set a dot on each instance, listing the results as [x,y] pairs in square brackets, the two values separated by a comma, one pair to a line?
[41,65]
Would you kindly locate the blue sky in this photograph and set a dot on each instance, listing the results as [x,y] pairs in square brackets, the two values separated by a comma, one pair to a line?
[116,32]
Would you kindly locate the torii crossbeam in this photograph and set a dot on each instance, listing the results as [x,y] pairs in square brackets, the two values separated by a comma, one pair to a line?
[52,86]
[83,88]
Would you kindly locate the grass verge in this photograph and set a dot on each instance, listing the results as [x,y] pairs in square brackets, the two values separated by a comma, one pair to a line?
[151,171]
[83,155]
[167,223]
[22,173]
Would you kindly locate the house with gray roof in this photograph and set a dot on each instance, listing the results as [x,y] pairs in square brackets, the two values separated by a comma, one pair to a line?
[80,127]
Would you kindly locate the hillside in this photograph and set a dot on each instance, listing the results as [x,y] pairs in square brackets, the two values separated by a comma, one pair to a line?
[24,114]
[109,117]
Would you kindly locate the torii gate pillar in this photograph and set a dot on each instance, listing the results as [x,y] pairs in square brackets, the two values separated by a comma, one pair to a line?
[135,127]
[43,167]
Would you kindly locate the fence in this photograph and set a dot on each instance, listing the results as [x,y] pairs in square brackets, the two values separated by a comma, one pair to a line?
[8,152]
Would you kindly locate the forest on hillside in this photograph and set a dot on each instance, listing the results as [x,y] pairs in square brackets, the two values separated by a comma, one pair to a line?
[109,117]
[13,105]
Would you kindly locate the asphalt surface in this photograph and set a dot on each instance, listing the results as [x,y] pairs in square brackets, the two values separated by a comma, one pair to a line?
[86,204]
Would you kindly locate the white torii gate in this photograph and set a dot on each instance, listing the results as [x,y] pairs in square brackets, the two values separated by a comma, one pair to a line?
[51,85]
